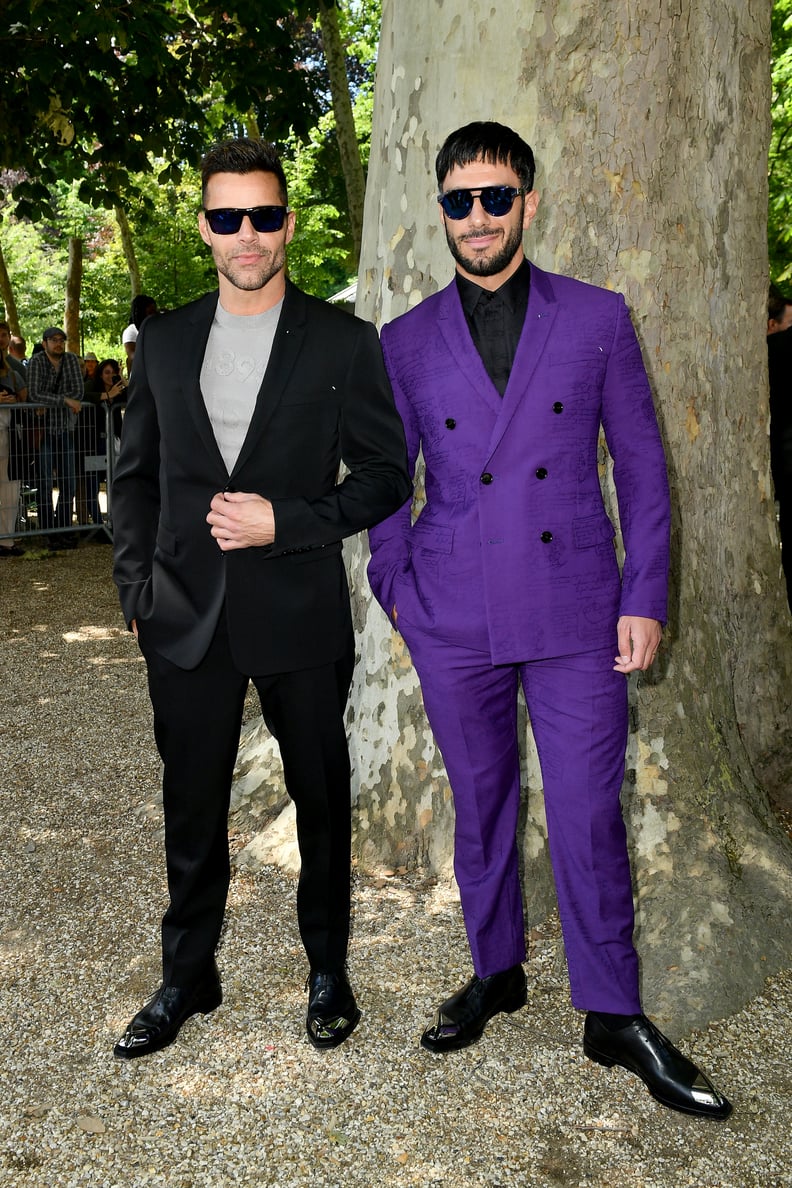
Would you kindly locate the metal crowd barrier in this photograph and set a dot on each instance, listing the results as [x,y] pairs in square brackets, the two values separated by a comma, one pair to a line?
[36,465]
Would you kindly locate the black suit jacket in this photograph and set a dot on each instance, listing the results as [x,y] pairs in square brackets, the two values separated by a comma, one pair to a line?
[325,398]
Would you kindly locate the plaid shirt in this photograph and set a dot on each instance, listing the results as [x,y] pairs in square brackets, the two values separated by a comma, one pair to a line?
[48,385]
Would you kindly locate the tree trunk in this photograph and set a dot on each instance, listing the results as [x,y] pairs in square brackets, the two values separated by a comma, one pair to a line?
[650,128]
[354,178]
[7,293]
[71,311]
[135,283]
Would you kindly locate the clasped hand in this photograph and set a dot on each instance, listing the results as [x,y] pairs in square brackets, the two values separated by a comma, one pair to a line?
[639,640]
[241,520]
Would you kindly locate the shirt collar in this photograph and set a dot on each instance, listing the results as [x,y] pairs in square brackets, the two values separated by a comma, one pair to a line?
[510,292]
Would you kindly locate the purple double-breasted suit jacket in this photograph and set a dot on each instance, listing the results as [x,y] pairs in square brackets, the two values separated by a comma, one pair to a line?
[513,553]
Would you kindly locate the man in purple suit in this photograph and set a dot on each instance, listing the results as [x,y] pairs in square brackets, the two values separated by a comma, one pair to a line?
[510,575]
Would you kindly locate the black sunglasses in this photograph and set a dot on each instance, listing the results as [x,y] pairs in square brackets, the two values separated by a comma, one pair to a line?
[496,200]
[227,220]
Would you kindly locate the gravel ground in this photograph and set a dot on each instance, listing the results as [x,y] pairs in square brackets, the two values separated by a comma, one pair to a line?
[242,1098]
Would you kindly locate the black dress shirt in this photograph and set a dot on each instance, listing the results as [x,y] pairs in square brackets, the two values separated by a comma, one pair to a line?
[496,320]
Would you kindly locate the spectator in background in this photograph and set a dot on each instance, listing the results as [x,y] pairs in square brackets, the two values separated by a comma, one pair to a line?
[142,308]
[90,364]
[12,390]
[91,439]
[17,349]
[89,426]
[55,379]
[107,390]
[6,343]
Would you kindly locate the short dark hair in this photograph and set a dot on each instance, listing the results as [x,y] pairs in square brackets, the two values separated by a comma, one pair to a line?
[485,140]
[776,304]
[243,156]
[139,308]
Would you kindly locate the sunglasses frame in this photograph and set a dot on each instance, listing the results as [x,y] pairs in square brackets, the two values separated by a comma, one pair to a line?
[480,192]
[251,212]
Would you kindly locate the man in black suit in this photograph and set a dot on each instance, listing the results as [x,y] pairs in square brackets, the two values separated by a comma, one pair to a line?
[228,517]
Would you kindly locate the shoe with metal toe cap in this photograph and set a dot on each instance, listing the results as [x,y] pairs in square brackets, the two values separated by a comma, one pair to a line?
[461,1019]
[332,1011]
[159,1022]
[670,1077]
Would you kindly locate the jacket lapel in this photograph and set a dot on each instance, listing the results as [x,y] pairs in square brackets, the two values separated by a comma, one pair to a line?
[539,318]
[286,347]
[195,336]
[456,334]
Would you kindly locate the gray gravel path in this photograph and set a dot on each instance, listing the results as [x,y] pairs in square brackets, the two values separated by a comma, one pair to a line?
[242,1098]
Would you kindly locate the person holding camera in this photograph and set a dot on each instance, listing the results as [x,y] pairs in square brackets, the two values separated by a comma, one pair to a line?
[111,387]
[106,388]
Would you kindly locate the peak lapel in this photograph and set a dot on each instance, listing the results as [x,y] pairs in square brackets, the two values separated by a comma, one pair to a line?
[191,351]
[539,318]
[457,337]
[286,347]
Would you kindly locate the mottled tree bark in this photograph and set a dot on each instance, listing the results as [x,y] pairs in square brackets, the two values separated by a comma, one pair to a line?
[650,127]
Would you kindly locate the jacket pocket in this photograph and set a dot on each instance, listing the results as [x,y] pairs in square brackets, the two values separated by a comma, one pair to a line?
[588,531]
[584,352]
[435,538]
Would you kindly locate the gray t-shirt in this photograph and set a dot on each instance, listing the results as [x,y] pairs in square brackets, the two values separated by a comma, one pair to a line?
[236,358]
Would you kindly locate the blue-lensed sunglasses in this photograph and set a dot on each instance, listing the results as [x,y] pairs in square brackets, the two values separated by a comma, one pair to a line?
[496,200]
[228,219]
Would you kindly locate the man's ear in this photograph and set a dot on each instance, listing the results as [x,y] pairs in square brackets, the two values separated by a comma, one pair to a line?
[203,228]
[530,208]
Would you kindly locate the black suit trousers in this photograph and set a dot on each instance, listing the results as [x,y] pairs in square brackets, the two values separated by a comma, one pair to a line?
[197,722]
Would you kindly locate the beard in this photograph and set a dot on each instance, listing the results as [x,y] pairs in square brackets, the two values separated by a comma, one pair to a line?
[250,278]
[484,264]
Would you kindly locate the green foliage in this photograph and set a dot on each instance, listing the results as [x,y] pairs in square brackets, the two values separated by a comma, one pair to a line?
[319,250]
[360,22]
[96,92]
[780,159]
[38,270]
[117,100]
[175,264]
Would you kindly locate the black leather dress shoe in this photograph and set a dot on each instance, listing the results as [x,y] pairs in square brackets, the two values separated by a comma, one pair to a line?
[670,1077]
[332,1011]
[161,1019]
[462,1018]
